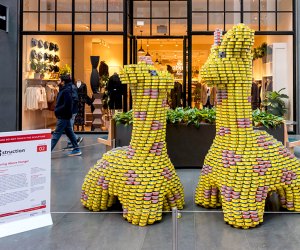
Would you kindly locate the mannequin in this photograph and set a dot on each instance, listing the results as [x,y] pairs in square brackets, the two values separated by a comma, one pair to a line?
[83,99]
[115,92]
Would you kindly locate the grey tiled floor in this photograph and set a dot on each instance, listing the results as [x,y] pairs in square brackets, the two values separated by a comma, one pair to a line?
[197,230]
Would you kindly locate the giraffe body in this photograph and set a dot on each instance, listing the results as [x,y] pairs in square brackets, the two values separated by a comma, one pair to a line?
[242,166]
[141,175]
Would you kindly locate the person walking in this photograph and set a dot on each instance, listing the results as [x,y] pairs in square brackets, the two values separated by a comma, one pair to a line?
[75,100]
[63,112]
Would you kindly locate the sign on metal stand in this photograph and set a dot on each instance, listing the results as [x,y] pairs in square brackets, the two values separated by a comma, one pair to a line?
[25,175]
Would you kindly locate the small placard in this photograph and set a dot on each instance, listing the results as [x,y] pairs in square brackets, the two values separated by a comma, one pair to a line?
[3,18]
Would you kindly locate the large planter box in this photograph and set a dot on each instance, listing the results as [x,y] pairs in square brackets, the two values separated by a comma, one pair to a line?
[188,145]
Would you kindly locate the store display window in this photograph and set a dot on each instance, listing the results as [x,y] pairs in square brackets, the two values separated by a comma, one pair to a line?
[98,61]
[43,57]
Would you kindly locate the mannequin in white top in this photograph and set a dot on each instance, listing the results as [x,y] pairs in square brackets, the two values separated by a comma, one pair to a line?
[78,83]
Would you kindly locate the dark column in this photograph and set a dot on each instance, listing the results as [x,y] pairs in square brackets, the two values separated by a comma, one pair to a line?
[9,81]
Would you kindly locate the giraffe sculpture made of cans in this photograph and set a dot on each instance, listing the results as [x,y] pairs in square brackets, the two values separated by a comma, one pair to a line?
[242,166]
[141,175]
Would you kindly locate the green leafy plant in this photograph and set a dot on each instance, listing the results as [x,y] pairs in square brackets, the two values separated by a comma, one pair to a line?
[196,117]
[274,102]
[123,118]
[261,118]
[65,70]
[260,51]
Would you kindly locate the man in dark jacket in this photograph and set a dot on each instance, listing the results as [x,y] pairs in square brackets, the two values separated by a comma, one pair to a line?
[63,112]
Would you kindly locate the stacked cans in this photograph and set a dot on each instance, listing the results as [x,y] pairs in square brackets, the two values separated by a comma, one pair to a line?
[141,175]
[243,165]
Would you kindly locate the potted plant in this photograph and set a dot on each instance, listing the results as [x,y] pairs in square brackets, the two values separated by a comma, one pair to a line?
[38,68]
[274,103]
[65,70]
[190,132]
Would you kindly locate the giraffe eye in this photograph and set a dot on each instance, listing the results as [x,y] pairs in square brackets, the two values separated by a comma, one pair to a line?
[222,54]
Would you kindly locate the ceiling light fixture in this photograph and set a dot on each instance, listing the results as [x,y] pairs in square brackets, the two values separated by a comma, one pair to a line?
[141,50]
[148,54]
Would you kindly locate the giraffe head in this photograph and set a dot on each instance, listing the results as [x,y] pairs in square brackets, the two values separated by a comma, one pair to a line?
[146,82]
[230,61]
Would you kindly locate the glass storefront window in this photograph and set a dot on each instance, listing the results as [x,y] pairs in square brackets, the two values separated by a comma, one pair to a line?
[82,21]
[251,5]
[99,5]
[199,21]
[64,22]
[216,5]
[30,5]
[268,21]
[216,21]
[231,19]
[115,21]
[160,9]
[285,5]
[233,5]
[82,5]
[274,71]
[160,27]
[115,5]
[251,19]
[199,5]
[42,81]
[30,21]
[178,9]
[63,5]
[178,27]
[141,9]
[47,5]
[201,46]
[284,21]
[47,21]
[98,21]
[109,49]
[267,5]
[145,28]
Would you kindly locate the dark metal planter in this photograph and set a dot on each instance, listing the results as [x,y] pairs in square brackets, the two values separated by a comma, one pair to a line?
[188,145]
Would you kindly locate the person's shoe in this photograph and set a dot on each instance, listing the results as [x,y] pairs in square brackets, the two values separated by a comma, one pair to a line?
[75,152]
[79,140]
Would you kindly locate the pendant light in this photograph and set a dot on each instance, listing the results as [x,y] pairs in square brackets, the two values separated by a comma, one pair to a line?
[148,54]
[141,50]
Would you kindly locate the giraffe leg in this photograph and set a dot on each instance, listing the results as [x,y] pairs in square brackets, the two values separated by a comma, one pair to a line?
[207,191]
[95,189]
[243,209]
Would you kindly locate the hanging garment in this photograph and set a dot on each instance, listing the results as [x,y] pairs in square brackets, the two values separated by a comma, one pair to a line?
[115,92]
[204,96]
[255,96]
[83,98]
[213,96]
[103,69]
[35,98]
[51,93]
[176,95]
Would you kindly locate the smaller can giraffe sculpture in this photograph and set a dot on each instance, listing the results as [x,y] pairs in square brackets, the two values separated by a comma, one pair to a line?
[242,166]
[141,175]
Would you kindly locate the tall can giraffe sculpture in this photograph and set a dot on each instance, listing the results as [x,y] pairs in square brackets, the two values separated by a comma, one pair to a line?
[242,166]
[140,175]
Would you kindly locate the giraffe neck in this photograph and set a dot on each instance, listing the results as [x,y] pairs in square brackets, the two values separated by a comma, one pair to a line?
[234,112]
[149,120]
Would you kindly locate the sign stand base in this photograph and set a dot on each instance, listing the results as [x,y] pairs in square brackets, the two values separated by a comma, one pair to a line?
[21,226]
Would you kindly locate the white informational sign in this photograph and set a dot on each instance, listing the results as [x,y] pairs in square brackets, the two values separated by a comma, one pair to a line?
[25,176]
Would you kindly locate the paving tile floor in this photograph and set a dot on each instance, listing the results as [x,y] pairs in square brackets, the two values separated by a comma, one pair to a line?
[75,228]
